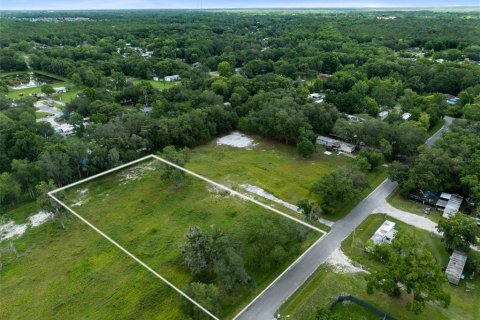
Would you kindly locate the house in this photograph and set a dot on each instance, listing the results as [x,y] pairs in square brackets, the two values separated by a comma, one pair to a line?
[155,78]
[406,115]
[449,204]
[173,78]
[454,270]
[238,69]
[385,234]
[383,114]
[196,65]
[60,89]
[227,104]
[335,144]
[64,129]
[453,100]
[317,97]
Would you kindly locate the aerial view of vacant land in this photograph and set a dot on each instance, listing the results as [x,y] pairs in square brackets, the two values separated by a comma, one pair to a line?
[240,160]
[150,217]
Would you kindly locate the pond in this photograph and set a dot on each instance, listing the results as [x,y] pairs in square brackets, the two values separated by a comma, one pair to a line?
[23,80]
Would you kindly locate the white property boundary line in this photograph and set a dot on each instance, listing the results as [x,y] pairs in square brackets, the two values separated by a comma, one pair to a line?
[143,264]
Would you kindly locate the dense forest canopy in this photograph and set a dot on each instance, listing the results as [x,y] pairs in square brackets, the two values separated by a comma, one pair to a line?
[252,70]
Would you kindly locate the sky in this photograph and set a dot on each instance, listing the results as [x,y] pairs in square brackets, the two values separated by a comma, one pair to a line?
[206,4]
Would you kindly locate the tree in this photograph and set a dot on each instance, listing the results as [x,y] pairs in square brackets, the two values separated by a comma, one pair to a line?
[459,232]
[224,69]
[338,186]
[27,174]
[47,89]
[211,253]
[199,250]
[180,158]
[47,204]
[307,208]
[305,147]
[9,189]
[407,263]
[207,295]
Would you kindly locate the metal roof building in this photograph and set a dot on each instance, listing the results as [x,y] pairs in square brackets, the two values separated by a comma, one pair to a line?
[449,204]
[454,270]
[385,233]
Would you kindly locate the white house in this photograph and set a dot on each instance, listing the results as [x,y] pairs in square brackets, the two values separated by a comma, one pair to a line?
[155,78]
[60,89]
[317,97]
[173,78]
[406,115]
[383,114]
[385,234]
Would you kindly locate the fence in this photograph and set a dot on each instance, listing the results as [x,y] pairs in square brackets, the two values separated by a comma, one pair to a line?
[364,304]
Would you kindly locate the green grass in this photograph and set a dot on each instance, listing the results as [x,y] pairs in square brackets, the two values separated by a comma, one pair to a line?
[276,168]
[399,202]
[159,85]
[325,285]
[149,218]
[63,97]
[436,127]
[41,114]
[351,311]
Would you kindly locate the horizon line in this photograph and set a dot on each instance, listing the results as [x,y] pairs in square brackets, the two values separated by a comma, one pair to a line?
[252,8]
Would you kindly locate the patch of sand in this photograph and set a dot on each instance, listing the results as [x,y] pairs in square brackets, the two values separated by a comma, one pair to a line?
[264,194]
[341,263]
[11,230]
[40,218]
[135,172]
[237,140]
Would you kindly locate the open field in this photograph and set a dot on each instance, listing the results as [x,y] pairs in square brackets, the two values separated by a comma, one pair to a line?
[325,285]
[149,218]
[159,85]
[276,168]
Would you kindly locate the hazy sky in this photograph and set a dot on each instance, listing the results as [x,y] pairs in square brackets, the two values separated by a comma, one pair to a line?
[197,4]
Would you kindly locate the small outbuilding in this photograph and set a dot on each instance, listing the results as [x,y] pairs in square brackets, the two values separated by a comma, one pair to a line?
[173,78]
[454,270]
[385,234]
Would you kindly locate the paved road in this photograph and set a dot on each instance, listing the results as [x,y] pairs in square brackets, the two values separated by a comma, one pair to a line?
[270,301]
[446,125]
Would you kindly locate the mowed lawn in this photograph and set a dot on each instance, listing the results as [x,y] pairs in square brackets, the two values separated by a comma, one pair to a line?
[326,285]
[276,168]
[68,273]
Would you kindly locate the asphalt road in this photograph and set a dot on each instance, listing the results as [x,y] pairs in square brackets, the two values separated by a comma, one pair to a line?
[446,125]
[270,301]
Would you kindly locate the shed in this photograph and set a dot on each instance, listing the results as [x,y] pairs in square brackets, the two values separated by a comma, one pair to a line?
[454,270]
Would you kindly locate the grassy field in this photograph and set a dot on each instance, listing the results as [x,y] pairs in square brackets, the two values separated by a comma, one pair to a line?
[399,202]
[325,285]
[351,311]
[149,218]
[159,85]
[276,168]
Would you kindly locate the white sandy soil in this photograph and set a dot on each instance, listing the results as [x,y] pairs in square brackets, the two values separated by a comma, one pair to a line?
[237,140]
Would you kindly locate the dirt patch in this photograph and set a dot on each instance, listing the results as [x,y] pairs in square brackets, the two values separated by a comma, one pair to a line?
[135,172]
[237,140]
[11,230]
[341,263]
